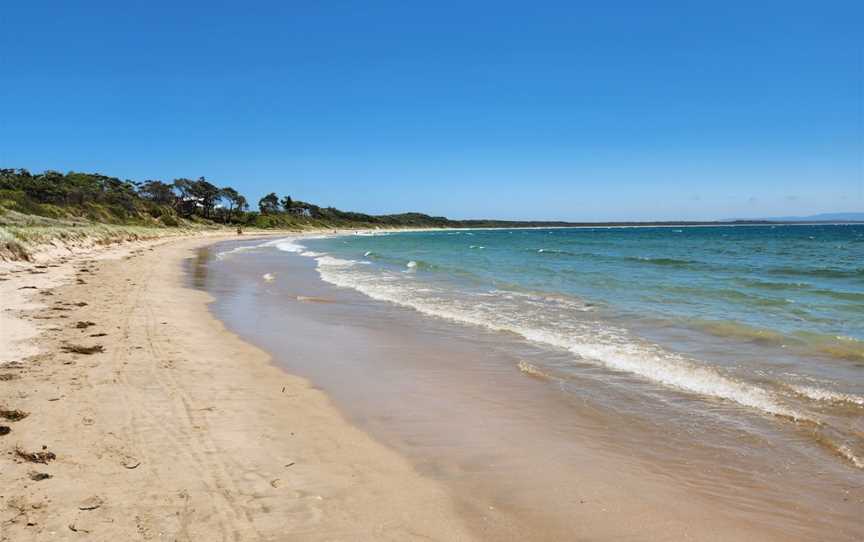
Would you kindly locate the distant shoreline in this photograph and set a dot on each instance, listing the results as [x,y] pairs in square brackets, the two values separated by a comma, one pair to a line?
[658,224]
[596,225]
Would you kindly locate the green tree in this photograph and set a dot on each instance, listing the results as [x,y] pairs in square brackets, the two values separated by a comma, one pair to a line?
[236,202]
[287,203]
[184,204]
[205,194]
[157,192]
[269,204]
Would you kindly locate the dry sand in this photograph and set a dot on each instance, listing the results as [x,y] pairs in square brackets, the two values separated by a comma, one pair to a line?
[178,430]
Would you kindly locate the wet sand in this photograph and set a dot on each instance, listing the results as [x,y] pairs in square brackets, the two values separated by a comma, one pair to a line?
[182,430]
[522,459]
[179,430]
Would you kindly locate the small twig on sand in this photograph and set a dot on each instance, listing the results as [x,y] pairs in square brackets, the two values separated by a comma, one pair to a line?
[91,503]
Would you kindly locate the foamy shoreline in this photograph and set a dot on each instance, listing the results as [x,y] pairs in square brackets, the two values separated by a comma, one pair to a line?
[179,429]
[358,347]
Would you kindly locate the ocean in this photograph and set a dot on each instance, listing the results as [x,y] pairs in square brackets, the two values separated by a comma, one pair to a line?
[730,357]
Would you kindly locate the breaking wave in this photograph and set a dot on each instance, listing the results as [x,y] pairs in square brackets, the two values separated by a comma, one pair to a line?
[592,342]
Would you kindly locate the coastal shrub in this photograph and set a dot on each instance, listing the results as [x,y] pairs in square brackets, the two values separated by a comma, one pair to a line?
[169,220]
[11,248]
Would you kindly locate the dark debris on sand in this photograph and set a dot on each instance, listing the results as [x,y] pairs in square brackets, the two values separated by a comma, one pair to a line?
[13,415]
[86,350]
[38,476]
[43,456]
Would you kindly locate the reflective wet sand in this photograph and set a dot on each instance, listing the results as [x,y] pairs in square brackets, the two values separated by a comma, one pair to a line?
[530,451]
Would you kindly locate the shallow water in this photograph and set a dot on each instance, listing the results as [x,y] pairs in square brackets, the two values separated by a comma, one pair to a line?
[771,318]
[474,365]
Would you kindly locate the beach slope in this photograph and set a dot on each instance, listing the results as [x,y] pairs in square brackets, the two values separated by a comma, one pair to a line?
[147,420]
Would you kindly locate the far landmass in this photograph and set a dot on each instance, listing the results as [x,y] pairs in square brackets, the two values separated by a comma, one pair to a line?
[37,208]
[94,197]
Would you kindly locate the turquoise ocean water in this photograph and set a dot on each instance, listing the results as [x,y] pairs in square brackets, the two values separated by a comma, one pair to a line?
[768,319]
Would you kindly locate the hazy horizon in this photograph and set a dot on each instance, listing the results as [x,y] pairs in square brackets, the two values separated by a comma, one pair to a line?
[563,112]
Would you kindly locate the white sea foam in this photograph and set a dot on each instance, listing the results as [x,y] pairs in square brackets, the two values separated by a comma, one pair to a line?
[235,250]
[245,248]
[593,342]
[847,452]
[820,394]
[531,370]
[330,261]
[290,246]
[286,244]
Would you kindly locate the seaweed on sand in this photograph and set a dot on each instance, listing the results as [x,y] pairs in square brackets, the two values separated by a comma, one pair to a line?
[43,456]
[13,415]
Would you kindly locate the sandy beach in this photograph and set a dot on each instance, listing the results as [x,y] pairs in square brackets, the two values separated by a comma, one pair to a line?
[176,429]
[431,272]
[135,411]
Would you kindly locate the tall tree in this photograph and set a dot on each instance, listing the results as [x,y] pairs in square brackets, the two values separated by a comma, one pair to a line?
[184,204]
[234,200]
[287,203]
[269,204]
[157,192]
[206,194]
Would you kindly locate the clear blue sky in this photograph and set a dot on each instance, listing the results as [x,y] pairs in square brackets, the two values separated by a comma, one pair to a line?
[524,110]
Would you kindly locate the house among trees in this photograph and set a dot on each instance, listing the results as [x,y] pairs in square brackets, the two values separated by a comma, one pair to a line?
[300,212]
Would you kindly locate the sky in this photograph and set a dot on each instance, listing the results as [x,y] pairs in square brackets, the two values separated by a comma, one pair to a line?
[512,110]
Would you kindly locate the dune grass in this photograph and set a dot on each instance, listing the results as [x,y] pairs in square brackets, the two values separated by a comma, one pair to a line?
[23,242]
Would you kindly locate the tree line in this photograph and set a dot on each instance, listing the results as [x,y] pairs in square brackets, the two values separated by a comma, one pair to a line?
[184,198]
[102,198]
